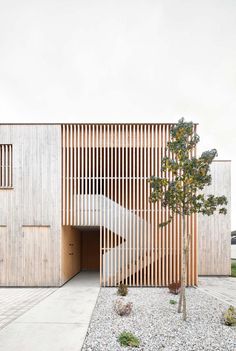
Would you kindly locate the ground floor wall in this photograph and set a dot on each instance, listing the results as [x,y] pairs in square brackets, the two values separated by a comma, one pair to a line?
[70,252]
[35,250]
[214,232]
[30,207]
[29,256]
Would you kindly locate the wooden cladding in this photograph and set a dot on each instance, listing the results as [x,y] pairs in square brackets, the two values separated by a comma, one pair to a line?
[6,166]
[104,183]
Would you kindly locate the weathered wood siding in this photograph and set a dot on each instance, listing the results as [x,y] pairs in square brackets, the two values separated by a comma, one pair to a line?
[30,212]
[96,175]
[214,231]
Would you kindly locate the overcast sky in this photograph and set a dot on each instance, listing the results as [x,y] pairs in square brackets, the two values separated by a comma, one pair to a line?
[122,61]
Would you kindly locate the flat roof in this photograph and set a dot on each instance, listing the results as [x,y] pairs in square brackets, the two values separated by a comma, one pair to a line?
[60,124]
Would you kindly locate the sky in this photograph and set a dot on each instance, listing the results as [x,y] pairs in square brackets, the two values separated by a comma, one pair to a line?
[122,61]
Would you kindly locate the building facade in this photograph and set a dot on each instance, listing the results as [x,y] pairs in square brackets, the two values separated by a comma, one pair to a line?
[75,197]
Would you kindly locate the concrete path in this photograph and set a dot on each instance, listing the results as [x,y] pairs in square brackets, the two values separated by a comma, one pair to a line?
[223,288]
[59,322]
[16,301]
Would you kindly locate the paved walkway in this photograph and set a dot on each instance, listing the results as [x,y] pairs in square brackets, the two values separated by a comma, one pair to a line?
[223,288]
[57,323]
[16,301]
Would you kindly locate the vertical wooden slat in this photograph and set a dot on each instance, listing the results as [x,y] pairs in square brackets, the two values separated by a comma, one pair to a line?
[6,166]
[126,203]
[86,174]
[111,180]
[122,199]
[166,219]
[2,164]
[102,252]
[89,168]
[82,175]
[142,238]
[93,194]
[107,179]
[79,174]
[145,204]
[119,202]
[74,176]
[115,189]
[157,254]
[97,175]
[148,206]
[152,150]
[67,175]
[137,229]
[195,237]
[160,211]
[104,194]
[150,255]
[10,166]
[71,175]
[131,241]
[63,171]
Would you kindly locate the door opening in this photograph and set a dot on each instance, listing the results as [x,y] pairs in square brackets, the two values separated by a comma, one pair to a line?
[90,249]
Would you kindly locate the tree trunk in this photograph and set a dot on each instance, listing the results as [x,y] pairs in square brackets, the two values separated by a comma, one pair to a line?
[182,298]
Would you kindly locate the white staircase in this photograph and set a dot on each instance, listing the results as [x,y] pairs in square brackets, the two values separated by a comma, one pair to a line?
[98,210]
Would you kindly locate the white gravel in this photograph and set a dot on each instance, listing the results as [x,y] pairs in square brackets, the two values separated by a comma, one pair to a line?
[158,325]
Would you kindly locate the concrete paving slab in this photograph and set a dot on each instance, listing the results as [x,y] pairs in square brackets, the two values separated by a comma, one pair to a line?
[222,288]
[14,302]
[57,323]
[42,337]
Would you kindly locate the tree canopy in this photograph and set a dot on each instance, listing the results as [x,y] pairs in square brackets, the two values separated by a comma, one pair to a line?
[187,175]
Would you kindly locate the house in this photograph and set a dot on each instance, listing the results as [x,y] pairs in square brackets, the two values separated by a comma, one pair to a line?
[75,197]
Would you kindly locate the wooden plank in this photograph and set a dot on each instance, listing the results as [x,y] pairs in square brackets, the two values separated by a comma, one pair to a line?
[136,204]
[214,231]
[116,169]
[111,181]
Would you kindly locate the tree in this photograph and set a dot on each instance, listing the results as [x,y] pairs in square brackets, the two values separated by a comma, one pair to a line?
[181,193]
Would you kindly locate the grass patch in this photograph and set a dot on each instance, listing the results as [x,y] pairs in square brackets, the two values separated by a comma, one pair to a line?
[233,268]
[128,339]
[122,290]
[173,302]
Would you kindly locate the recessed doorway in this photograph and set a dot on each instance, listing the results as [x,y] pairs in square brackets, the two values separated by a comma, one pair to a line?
[90,249]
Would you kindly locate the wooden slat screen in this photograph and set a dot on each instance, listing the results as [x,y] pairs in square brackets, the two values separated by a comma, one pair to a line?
[6,166]
[104,183]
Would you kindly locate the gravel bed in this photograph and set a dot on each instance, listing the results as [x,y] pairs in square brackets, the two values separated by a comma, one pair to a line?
[158,325]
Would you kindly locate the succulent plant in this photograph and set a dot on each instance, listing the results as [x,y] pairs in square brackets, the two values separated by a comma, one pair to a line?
[122,290]
[128,339]
[230,316]
[122,307]
[173,302]
[174,288]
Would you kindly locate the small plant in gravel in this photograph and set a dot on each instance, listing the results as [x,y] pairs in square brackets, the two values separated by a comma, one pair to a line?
[174,288]
[230,316]
[122,290]
[128,339]
[123,308]
[173,302]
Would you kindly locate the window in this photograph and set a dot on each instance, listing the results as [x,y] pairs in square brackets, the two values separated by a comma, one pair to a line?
[5,166]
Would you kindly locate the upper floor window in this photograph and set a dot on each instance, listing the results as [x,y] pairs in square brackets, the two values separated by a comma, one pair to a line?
[6,166]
